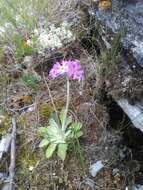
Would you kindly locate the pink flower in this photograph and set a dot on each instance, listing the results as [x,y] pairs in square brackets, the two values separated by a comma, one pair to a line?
[69,68]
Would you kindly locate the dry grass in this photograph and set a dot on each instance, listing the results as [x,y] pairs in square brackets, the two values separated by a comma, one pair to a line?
[62,10]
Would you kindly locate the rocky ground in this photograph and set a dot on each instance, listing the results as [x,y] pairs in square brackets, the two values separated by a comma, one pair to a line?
[108,134]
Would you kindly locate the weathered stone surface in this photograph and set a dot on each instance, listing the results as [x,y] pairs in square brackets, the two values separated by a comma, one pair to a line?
[129,15]
[125,85]
[135,112]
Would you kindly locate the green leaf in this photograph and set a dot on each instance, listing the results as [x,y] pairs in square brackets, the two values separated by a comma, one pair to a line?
[62,115]
[79,134]
[56,118]
[54,131]
[68,120]
[55,135]
[53,123]
[43,130]
[68,132]
[43,143]
[75,130]
[62,151]
[76,126]
[50,150]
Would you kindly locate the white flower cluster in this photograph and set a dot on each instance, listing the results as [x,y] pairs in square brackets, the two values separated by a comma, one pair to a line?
[56,37]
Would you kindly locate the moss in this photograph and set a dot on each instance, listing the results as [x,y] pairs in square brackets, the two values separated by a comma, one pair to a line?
[26,158]
[5,123]
[46,108]
[27,161]
[27,120]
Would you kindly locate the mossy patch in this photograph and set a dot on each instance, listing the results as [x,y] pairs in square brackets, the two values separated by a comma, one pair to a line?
[27,161]
[5,123]
[46,108]
[27,120]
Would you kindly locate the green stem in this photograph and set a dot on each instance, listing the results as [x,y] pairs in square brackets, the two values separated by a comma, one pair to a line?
[67,105]
[81,158]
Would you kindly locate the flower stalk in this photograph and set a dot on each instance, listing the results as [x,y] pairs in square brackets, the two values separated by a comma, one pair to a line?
[67,105]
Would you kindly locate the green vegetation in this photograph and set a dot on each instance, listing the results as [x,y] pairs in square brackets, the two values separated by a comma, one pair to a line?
[110,57]
[30,80]
[108,51]
[59,134]
[22,14]
[19,20]
[21,47]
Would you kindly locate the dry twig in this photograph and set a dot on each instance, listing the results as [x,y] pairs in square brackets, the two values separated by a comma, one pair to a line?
[13,154]
[6,142]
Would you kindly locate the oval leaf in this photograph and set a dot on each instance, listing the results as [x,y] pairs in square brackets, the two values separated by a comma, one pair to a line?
[62,151]
[53,123]
[50,150]
[43,143]
[43,130]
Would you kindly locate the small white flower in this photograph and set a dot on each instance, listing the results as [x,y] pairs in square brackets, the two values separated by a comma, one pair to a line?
[31,168]
[36,32]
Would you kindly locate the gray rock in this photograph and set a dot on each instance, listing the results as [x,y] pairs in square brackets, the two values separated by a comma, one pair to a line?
[134,112]
[95,168]
[7,187]
[138,187]
[129,15]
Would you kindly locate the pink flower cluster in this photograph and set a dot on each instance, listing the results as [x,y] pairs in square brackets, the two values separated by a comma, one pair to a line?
[70,68]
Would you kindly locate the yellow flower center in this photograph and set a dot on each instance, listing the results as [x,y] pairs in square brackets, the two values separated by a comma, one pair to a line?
[63,69]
